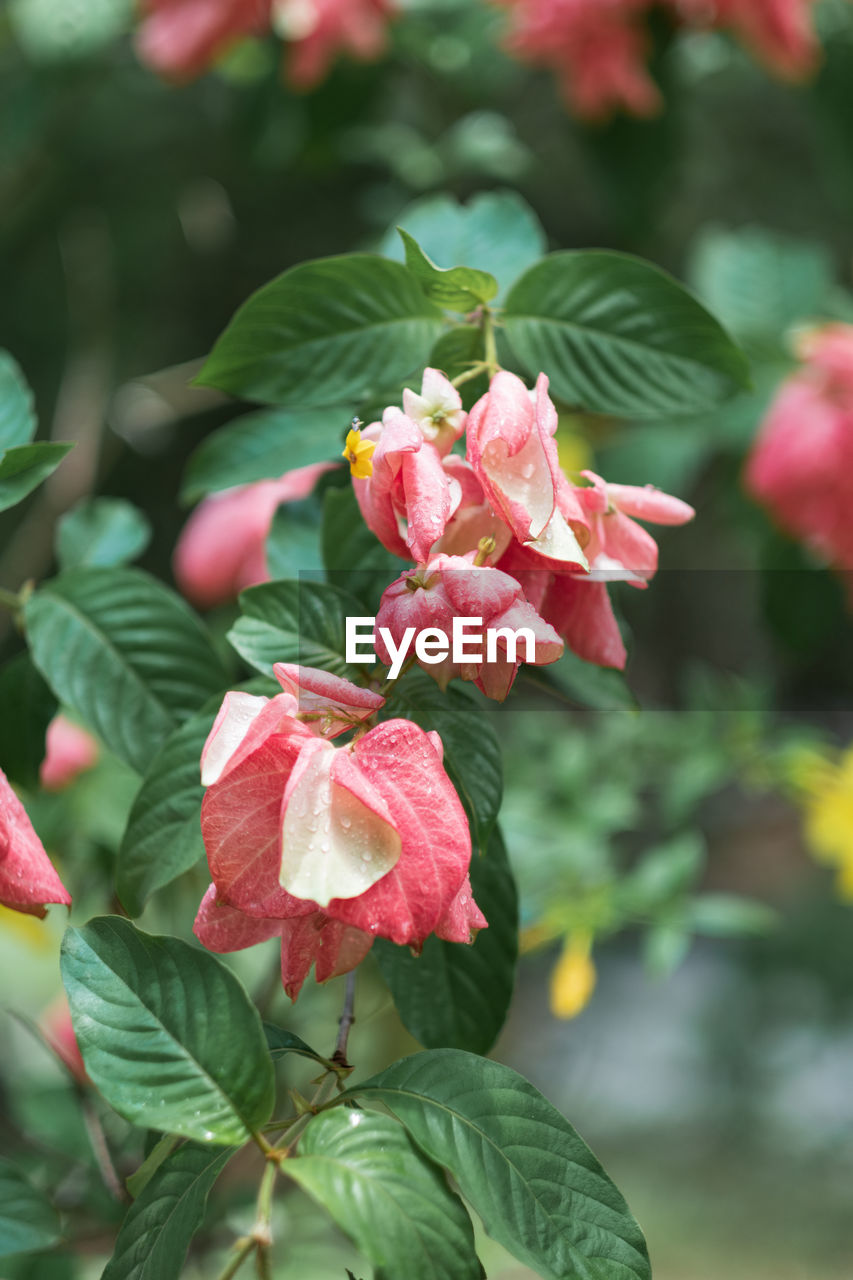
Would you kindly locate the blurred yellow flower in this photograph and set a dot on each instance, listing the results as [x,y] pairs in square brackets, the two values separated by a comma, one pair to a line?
[27,929]
[573,449]
[573,978]
[826,794]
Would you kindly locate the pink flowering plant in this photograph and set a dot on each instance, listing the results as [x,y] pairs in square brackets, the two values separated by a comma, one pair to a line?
[336,768]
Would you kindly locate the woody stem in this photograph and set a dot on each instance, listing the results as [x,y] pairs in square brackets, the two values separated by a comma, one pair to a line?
[347,1019]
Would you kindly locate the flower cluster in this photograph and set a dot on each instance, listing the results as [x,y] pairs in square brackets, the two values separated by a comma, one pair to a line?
[323,846]
[182,38]
[598,48]
[327,847]
[553,545]
[801,467]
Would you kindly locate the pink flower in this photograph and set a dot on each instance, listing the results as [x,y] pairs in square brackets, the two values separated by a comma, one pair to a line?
[221,550]
[70,750]
[474,519]
[801,466]
[512,451]
[409,498]
[328,847]
[55,1023]
[27,878]
[450,587]
[779,32]
[182,38]
[596,47]
[578,605]
[437,411]
[318,30]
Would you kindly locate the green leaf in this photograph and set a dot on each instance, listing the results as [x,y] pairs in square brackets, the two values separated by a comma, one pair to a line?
[28,708]
[263,445]
[451,995]
[125,653]
[163,835]
[24,466]
[664,873]
[585,684]
[102,531]
[538,1188]
[721,915]
[280,1042]
[17,411]
[758,282]
[293,542]
[324,332]
[156,1232]
[455,288]
[455,352]
[618,335]
[472,756]
[354,558]
[167,1033]
[496,230]
[666,944]
[301,622]
[396,1206]
[28,1221]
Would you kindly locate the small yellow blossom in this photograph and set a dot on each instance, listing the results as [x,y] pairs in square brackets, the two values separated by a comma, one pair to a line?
[573,979]
[358,454]
[826,794]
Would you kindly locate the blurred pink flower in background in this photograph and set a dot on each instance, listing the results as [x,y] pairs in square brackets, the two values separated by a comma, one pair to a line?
[598,48]
[801,466]
[69,751]
[317,31]
[55,1023]
[221,550]
[182,38]
[779,32]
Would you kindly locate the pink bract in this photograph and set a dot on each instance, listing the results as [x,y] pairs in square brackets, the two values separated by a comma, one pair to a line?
[801,466]
[221,550]
[328,847]
[69,750]
[451,586]
[28,881]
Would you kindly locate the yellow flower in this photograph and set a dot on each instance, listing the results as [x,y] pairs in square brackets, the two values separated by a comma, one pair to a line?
[27,929]
[827,798]
[358,454]
[573,979]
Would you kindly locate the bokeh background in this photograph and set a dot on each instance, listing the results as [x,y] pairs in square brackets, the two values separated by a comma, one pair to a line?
[710,1069]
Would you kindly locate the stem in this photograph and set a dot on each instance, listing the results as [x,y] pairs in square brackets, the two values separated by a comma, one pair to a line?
[9,600]
[262,1231]
[491,350]
[480,366]
[239,1254]
[101,1152]
[346,1021]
